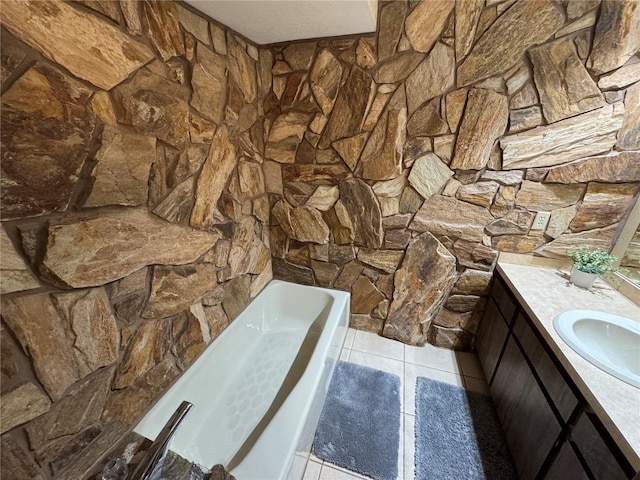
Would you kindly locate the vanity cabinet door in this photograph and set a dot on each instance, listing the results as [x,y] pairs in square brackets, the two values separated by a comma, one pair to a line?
[506,304]
[530,427]
[601,461]
[566,466]
[552,380]
[491,337]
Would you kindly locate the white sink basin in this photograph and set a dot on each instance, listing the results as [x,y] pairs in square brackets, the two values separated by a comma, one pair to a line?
[610,342]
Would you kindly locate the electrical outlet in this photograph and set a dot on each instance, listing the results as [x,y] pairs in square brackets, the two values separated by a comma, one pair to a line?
[541,221]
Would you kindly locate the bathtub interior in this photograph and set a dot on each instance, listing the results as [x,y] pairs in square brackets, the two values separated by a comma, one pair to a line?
[246,385]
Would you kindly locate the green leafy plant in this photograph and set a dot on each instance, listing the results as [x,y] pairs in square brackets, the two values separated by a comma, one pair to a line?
[592,261]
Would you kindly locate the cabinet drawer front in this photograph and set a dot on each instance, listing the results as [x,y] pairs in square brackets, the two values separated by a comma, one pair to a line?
[505,302]
[552,380]
[566,466]
[492,335]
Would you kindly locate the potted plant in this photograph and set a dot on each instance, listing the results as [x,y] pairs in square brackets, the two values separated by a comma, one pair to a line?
[589,264]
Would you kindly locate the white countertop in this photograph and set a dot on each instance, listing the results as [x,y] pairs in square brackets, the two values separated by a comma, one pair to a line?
[545,292]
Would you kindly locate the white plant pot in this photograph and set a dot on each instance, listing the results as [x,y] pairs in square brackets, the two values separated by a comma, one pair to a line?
[583,279]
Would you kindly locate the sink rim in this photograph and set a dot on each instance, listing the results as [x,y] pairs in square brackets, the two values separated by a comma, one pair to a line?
[563,325]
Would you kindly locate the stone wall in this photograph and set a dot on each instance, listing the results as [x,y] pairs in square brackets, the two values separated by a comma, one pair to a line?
[134,215]
[400,164]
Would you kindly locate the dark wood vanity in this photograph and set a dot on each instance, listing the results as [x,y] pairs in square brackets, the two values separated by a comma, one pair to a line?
[551,429]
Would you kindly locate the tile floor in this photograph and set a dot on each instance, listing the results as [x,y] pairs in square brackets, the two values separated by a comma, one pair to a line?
[408,363]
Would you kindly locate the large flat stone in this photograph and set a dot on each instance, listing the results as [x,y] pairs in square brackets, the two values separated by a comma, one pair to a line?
[304,224]
[426,120]
[213,177]
[385,260]
[565,87]
[364,296]
[121,174]
[381,157]
[600,238]
[332,174]
[603,205]
[422,284]
[248,254]
[434,76]
[522,26]
[617,35]
[432,13]
[285,136]
[146,349]
[325,80]
[429,174]
[363,210]
[47,125]
[242,70]
[620,78]
[209,84]
[72,37]
[398,67]
[160,21]
[484,120]
[17,460]
[390,30]
[537,196]
[614,167]
[350,107]
[629,134]
[67,338]
[22,405]
[88,250]
[570,139]
[447,216]
[283,270]
[467,15]
[154,106]
[14,274]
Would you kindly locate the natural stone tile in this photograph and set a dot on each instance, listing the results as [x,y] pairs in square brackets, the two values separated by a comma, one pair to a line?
[364,211]
[103,108]
[410,201]
[131,13]
[385,260]
[433,77]
[381,157]
[565,87]
[189,338]
[546,197]
[391,188]
[603,204]
[375,111]
[364,296]
[467,15]
[242,70]
[614,167]
[398,67]
[524,98]
[341,224]
[193,23]
[473,282]
[324,197]
[484,120]
[299,55]
[518,80]
[517,243]
[349,149]
[629,134]
[349,274]
[366,52]
[160,24]
[443,147]
[154,106]
[213,177]
[513,177]
[524,119]
[64,343]
[599,238]
[45,140]
[560,220]
[587,21]
[350,107]
[283,270]
[121,174]
[505,199]
[15,276]
[11,57]
[390,29]
[324,273]
[429,174]
[285,135]
[426,120]
[462,303]
[481,193]
[251,178]
[304,224]
[100,245]
[522,26]
[515,223]
[449,320]
[451,338]
[570,139]
[146,349]
[577,8]
[474,255]
[208,80]
[419,292]
[17,460]
[70,37]
[22,405]
[248,253]
[617,35]
[434,14]
[451,188]
[455,103]
[447,216]
[620,78]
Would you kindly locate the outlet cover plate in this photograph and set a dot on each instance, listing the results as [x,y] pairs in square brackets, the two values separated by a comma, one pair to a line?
[541,221]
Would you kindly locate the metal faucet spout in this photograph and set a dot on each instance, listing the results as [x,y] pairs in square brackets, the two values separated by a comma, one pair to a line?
[154,457]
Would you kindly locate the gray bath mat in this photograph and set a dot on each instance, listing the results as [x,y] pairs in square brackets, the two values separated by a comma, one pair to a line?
[458,435]
[359,427]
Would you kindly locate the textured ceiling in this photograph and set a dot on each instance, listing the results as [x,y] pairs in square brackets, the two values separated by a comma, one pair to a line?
[273,21]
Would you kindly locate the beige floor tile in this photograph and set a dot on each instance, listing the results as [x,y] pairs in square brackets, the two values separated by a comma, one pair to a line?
[409,447]
[344,354]
[333,472]
[411,374]
[432,357]
[348,341]
[312,471]
[470,364]
[313,458]
[371,343]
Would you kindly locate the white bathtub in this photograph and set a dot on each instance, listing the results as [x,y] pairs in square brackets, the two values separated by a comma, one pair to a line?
[258,389]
